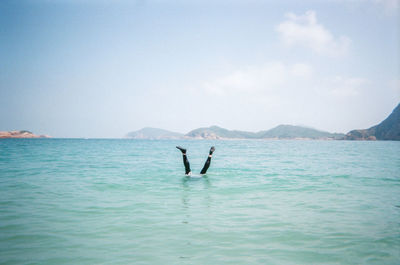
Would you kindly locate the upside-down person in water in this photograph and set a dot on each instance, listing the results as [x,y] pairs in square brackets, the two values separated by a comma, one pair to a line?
[188,172]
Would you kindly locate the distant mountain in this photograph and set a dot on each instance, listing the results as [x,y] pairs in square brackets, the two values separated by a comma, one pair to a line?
[389,129]
[215,132]
[154,133]
[293,132]
[21,134]
[279,132]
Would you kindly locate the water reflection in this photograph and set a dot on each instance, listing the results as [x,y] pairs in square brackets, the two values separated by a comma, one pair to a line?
[195,189]
[188,180]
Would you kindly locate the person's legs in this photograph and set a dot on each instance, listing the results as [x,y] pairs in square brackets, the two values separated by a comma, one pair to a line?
[185,160]
[208,161]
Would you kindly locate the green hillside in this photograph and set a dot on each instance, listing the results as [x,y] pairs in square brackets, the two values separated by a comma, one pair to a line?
[290,132]
[279,132]
[389,129]
[215,132]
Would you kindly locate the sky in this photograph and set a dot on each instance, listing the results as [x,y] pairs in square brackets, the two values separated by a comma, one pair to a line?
[104,68]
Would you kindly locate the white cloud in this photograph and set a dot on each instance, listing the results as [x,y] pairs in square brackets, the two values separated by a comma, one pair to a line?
[301,70]
[262,96]
[389,4]
[278,79]
[304,30]
[345,86]
[249,80]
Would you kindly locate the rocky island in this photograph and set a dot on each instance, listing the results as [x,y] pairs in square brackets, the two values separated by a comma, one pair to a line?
[20,134]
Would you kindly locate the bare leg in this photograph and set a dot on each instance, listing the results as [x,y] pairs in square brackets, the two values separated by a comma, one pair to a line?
[208,161]
[185,160]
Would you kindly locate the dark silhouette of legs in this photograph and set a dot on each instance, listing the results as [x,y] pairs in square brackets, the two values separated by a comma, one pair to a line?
[185,160]
[208,161]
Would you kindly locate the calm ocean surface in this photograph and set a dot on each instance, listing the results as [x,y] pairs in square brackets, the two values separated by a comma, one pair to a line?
[72,201]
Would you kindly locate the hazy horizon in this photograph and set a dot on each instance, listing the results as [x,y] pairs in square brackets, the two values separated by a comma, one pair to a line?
[233,129]
[101,69]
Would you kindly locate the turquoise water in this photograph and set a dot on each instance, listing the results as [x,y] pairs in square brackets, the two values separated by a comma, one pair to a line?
[69,201]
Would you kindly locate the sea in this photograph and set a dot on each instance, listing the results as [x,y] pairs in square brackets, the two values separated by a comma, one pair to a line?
[126,201]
